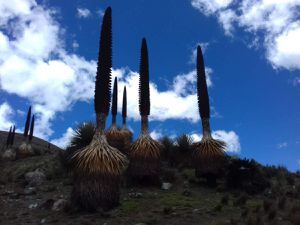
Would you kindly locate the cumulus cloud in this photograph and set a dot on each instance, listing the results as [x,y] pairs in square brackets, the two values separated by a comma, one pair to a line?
[64,141]
[83,12]
[34,64]
[5,116]
[156,134]
[229,137]
[277,21]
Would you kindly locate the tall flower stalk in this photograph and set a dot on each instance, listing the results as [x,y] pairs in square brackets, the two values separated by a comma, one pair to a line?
[209,154]
[98,166]
[113,135]
[144,152]
[126,133]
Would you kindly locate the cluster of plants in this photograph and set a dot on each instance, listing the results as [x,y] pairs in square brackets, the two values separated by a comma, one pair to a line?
[100,157]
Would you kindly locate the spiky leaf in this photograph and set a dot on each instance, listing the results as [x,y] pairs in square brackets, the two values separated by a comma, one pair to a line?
[144,92]
[103,76]
[114,108]
[203,99]
[31,128]
[124,105]
[27,123]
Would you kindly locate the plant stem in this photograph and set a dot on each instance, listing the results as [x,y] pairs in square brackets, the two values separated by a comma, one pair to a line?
[206,128]
[144,121]
[100,122]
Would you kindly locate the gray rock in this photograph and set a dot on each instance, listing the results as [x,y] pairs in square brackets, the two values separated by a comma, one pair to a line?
[35,178]
[59,205]
[166,186]
[30,191]
[33,206]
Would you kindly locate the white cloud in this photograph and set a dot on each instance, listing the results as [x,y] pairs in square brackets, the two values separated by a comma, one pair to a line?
[211,6]
[64,141]
[34,64]
[155,134]
[229,137]
[282,145]
[5,116]
[277,21]
[83,12]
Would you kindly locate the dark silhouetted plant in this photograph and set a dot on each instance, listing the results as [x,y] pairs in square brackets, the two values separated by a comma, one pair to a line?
[8,140]
[126,133]
[98,167]
[12,140]
[144,153]
[113,134]
[27,123]
[209,155]
[31,129]
[245,175]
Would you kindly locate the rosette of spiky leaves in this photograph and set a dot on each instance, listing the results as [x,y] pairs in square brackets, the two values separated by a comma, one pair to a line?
[98,166]
[8,140]
[97,171]
[144,152]
[31,129]
[13,136]
[113,134]
[103,77]
[209,154]
[126,133]
[27,123]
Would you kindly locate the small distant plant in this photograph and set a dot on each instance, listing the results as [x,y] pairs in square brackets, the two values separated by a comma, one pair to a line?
[31,129]
[167,149]
[225,200]
[8,140]
[27,123]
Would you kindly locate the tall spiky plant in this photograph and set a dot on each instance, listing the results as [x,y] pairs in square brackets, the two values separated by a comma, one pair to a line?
[27,123]
[13,136]
[98,166]
[8,140]
[26,149]
[209,154]
[126,133]
[113,135]
[144,152]
[31,129]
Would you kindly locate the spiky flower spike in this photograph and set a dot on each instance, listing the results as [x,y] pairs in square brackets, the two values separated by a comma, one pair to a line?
[13,136]
[31,129]
[126,133]
[113,135]
[8,140]
[208,154]
[27,123]
[144,152]
[98,166]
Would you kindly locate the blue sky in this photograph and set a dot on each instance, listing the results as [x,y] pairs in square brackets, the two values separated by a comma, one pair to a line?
[48,53]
